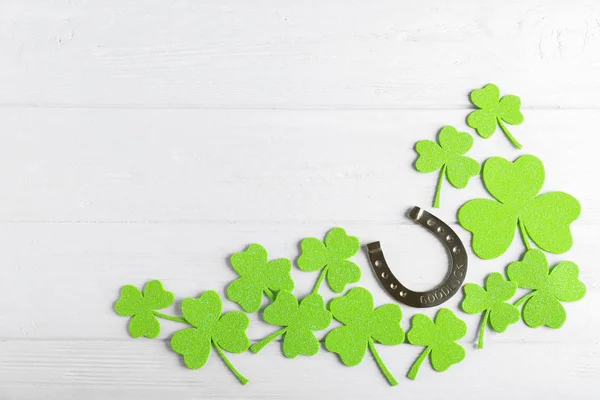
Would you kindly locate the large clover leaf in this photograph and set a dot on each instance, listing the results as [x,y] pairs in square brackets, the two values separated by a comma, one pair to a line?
[258,275]
[331,257]
[549,287]
[210,328]
[448,157]
[493,110]
[142,307]
[545,219]
[439,339]
[363,326]
[299,322]
[492,302]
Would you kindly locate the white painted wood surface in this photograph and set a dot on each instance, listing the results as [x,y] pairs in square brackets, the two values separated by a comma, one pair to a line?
[152,139]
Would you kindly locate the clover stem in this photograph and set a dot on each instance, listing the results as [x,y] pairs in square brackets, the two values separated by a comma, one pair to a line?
[258,346]
[524,234]
[381,364]
[438,189]
[508,135]
[320,280]
[237,373]
[270,294]
[524,299]
[484,320]
[169,317]
[414,370]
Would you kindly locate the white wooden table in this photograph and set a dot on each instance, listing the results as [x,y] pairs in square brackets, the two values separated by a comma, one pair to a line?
[148,140]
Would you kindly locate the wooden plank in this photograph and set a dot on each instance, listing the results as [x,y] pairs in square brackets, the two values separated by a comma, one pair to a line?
[276,54]
[258,165]
[147,369]
[64,278]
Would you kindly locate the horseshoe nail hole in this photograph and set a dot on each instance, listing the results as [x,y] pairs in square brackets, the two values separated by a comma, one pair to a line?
[430,222]
[402,293]
[378,263]
[456,250]
[440,229]
[449,238]
[384,275]
[393,286]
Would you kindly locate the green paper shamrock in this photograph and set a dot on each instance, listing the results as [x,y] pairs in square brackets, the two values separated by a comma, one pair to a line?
[142,308]
[448,157]
[299,322]
[492,302]
[258,275]
[331,258]
[210,328]
[493,110]
[545,219]
[439,340]
[363,326]
[549,287]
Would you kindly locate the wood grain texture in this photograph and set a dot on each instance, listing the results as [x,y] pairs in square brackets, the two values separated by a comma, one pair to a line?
[152,139]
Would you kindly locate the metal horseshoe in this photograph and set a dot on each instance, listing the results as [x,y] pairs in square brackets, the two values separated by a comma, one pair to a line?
[451,283]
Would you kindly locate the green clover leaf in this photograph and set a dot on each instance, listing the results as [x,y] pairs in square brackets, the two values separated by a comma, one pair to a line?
[549,287]
[363,326]
[258,275]
[492,302]
[331,258]
[545,219]
[299,322]
[493,110]
[439,340]
[448,157]
[210,328]
[142,307]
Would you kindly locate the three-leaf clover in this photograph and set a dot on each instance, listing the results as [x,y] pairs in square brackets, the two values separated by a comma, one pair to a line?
[492,302]
[493,110]
[363,326]
[299,322]
[549,287]
[331,258]
[210,328]
[439,340]
[545,219]
[448,157]
[258,275]
[142,307]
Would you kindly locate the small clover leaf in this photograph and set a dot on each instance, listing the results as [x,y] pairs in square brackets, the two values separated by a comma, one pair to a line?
[549,287]
[363,326]
[331,257]
[299,322]
[258,275]
[448,157]
[492,302]
[545,219]
[210,328]
[439,339]
[142,307]
[493,110]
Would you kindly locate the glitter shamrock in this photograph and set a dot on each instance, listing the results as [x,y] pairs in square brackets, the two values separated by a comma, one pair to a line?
[494,111]
[299,322]
[447,157]
[492,302]
[331,258]
[142,308]
[363,326]
[439,339]
[258,275]
[545,219]
[210,329]
[549,287]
